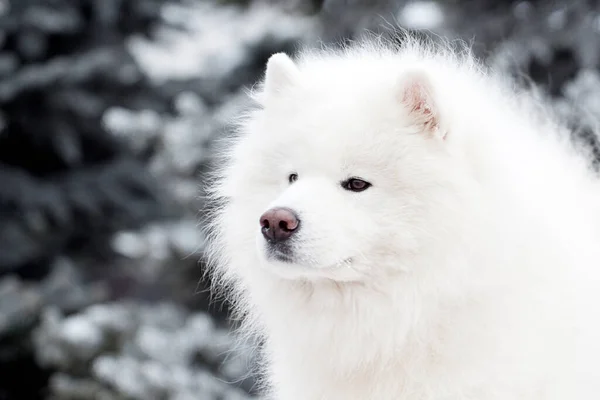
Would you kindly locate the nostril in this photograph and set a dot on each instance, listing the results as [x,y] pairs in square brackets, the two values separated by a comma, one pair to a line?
[288,225]
[265,223]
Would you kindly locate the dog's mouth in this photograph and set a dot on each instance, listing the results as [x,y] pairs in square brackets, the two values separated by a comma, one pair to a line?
[284,260]
[342,272]
[302,264]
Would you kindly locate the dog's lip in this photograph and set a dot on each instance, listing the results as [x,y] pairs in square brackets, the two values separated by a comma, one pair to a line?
[287,259]
[345,263]
[341,271]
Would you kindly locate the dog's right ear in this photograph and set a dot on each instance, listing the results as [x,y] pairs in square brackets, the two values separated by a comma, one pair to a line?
[281,73]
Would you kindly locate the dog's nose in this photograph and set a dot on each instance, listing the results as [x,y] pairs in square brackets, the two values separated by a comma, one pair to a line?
[279,224]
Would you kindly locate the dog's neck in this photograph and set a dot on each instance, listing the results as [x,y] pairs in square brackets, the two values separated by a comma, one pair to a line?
[329,321]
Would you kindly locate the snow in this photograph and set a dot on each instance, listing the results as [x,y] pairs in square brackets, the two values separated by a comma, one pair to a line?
[421,15]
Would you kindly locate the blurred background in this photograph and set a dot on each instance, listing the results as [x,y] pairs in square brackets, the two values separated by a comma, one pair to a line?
[108,109]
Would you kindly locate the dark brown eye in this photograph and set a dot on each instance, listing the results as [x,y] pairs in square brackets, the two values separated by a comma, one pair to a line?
[355,185]
[293,178]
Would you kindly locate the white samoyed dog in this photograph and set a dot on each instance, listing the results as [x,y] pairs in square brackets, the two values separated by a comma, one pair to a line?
[403,223]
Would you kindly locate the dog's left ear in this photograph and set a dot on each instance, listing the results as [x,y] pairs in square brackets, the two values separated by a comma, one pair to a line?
[417,96]
[281,73]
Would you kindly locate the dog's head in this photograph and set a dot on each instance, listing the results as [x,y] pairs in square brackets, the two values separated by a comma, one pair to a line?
[342,173]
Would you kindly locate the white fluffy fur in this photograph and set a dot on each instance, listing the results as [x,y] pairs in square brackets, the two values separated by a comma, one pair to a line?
[469,270]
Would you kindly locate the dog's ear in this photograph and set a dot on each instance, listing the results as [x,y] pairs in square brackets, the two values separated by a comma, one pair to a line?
[281,73]
[417,96]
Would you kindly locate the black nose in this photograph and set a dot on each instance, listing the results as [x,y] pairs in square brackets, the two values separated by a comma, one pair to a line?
[279,224]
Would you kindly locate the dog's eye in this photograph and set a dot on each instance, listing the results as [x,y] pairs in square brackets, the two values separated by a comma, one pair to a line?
[355,185]
[293,178]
